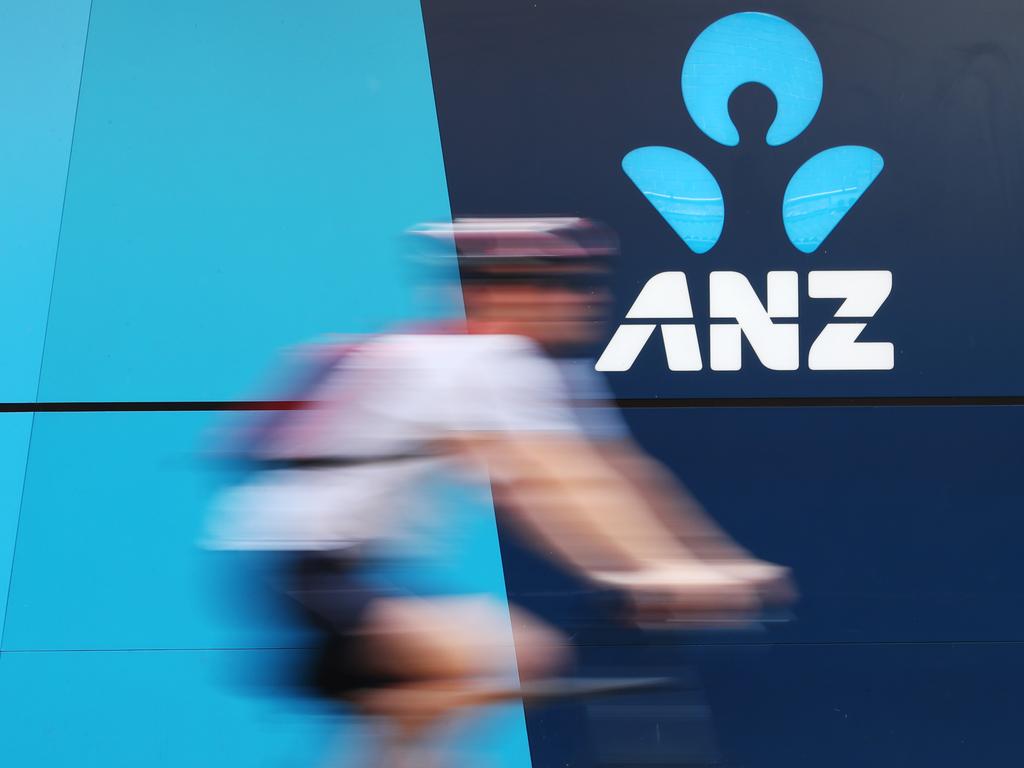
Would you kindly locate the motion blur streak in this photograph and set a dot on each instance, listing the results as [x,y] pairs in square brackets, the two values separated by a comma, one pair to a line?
[331,502]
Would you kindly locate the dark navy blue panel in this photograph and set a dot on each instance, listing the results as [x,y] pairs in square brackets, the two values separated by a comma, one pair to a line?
[900,524]
[539,102]
[892,705]
[902,528]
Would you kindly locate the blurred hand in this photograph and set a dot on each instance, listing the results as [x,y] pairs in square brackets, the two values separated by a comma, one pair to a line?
[774,583]
[685,592]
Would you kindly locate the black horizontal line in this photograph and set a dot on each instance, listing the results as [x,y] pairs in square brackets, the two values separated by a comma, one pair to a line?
[622,402]
[818,402]
[650,641]
[159,405]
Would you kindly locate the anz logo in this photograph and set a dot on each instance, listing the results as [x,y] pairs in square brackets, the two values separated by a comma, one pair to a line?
[738,49]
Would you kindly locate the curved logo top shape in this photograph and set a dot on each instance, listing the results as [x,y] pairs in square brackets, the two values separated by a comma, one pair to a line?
[752,48]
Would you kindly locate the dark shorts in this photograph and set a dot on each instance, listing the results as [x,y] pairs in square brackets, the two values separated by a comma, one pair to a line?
[329,595]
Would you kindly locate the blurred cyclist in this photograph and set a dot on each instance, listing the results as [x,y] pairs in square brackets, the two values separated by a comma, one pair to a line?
[343,476]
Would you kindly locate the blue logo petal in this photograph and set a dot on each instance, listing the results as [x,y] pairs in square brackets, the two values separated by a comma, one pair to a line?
[752,48]
[822,191]
[682,190]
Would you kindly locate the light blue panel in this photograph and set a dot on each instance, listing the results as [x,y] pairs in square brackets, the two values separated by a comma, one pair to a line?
[41,44]
[242,173]
[113,510]
[752,48]
[15,429]
[823,190]
[115,505]
[146,708]
[173,709]
[682,190]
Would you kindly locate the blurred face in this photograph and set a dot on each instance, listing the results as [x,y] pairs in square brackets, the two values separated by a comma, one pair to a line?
[561,306]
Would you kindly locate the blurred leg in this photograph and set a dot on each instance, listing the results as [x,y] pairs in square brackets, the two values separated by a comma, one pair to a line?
[454,653]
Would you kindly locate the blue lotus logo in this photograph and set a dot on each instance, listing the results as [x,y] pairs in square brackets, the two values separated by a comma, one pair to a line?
[735,50]
[738,49]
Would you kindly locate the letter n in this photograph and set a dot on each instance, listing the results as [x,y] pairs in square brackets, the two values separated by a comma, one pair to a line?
[777,345]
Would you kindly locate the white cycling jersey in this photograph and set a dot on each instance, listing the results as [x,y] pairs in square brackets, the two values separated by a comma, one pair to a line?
[375,419]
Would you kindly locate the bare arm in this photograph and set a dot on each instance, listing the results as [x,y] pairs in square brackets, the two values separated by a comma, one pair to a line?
[671,502]
[577,505]
[683,515]
[619,519]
